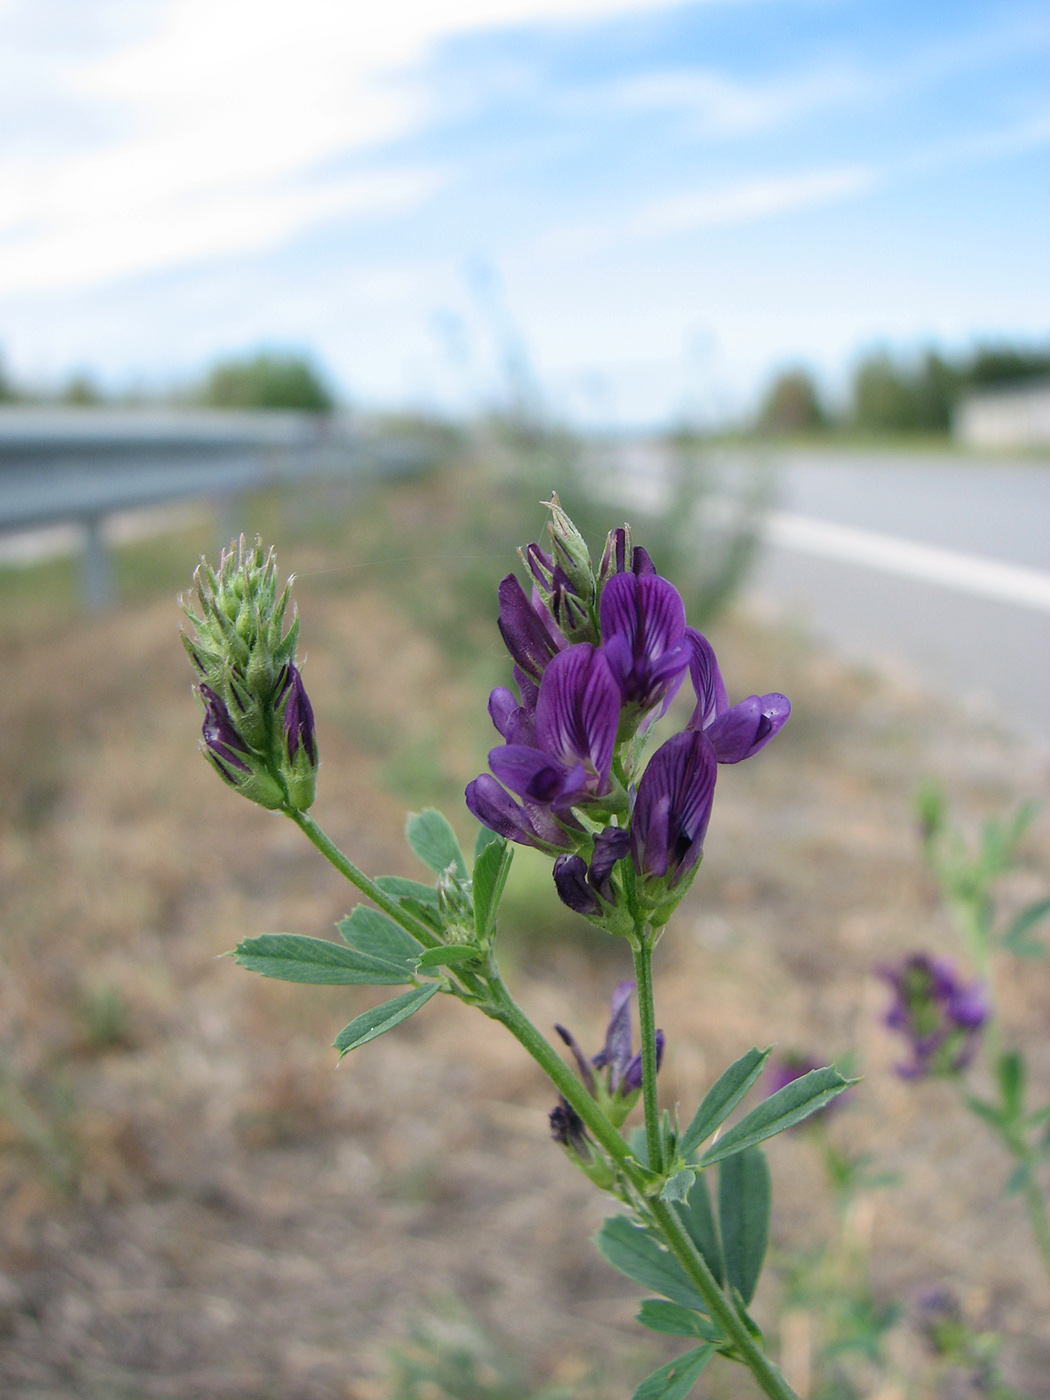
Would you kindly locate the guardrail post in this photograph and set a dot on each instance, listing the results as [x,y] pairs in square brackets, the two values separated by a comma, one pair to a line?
[96,568]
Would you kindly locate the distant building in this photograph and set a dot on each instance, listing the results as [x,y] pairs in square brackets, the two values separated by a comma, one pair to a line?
[1006,418]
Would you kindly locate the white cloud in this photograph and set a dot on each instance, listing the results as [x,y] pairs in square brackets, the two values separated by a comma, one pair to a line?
[748,200]
[716,104]
[232,116]
[739,202]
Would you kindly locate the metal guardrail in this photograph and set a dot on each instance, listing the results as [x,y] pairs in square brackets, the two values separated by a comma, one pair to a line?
[83,465]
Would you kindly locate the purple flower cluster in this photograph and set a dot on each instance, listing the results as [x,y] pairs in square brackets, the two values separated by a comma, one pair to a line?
[618,1088]
[597,660]
[940,1015]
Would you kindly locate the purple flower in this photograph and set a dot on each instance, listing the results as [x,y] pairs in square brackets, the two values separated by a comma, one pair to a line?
[223,745]
[528,630]
[567,1127]
[577,712]
[643,637]
[735,731]
[673,807]
[617,1089]
[579,885]
[940,1016]
[528,823]
[517,723]
[298,716]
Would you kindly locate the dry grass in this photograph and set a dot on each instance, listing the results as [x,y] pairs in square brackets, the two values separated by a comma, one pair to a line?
[195,1202]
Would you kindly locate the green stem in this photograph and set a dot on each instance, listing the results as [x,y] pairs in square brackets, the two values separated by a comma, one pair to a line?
[505,1010]
[1037,1215]
[334,856]
[643,973]
[475,987]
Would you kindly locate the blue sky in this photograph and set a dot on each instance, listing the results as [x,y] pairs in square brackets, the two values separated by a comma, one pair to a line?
[639,209]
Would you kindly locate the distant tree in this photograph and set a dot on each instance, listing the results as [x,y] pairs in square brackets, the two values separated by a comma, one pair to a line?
[792,405]
[902,396]
[883,400]
[268,381]
[8,393]
[995,365]
[81,390]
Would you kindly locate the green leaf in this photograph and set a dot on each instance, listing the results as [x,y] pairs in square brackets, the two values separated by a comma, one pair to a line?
[1018,1178]
[485,838]
[400,888]
[450,953]
[293,958]
[490,876]
[1011,1083]
[374,1022]
[722,1098]
[781,1110]
[675,1321]
[675,1380]
[699,1220]
[434,842]
[743,1214]
[635,1253]
[988,1111]
[676,1188]
[375,936]
[1015,939]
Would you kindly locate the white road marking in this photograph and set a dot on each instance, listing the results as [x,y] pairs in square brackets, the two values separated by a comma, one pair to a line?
[967,573]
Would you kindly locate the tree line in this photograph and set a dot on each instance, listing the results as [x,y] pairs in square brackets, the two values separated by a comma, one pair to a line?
[893,393]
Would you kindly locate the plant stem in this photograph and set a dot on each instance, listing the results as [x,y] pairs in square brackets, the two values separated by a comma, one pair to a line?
[505,1010]
[1038,1217]
[347,868]
[643,973]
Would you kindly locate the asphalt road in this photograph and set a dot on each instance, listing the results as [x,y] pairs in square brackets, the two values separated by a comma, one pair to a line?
[951,631]
[935,567]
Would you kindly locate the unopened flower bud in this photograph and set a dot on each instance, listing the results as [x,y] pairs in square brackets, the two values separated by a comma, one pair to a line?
[569,550]
[300,747]
[259,725]
[231,757]
[621,557]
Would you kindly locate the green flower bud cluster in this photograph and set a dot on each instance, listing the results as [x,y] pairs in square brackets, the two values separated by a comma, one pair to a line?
[258,727]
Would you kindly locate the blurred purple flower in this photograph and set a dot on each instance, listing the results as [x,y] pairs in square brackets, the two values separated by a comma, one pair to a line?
[940,1016]
[623,1078]
[735,731]
[785,1069]
[577,712]
[567,1127]
[643,637]
[673,807]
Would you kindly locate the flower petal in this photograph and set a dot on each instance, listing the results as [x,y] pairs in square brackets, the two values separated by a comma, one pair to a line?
[578,711]
[570,880]
[647,611]
[617,1050]
[673,806]
[745,728]
[711,697]
[528,640]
